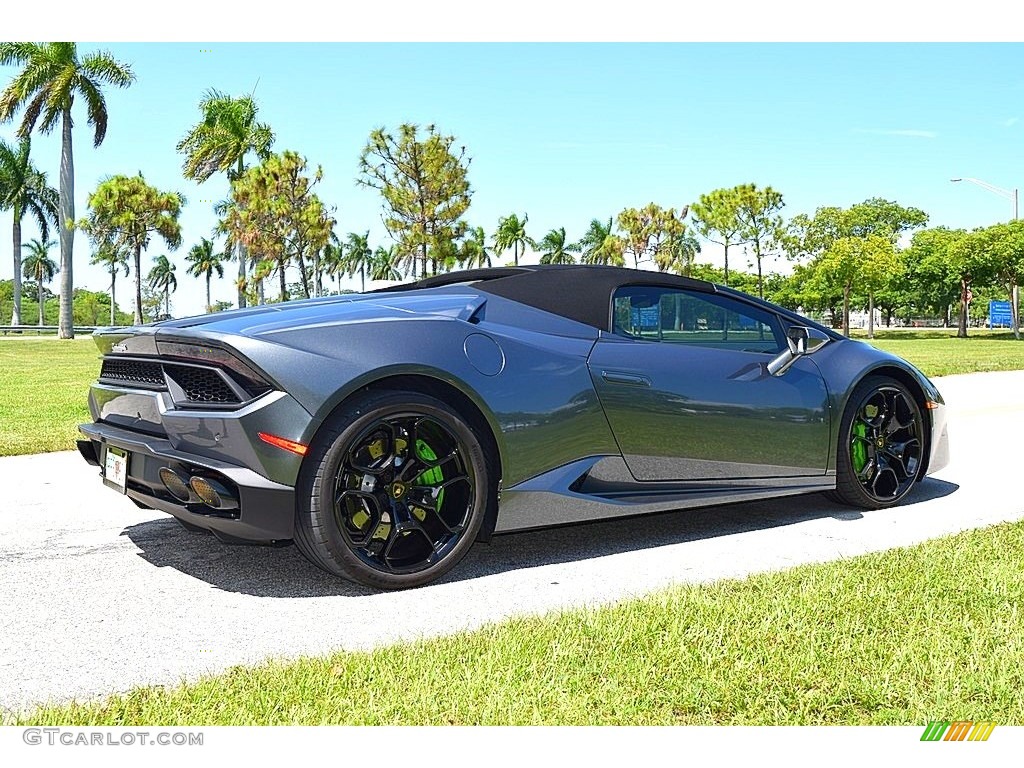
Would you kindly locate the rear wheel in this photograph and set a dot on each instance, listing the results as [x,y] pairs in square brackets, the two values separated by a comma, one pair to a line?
[396,492]
[881,440]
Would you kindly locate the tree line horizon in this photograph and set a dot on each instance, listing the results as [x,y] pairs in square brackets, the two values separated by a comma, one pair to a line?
[273,221]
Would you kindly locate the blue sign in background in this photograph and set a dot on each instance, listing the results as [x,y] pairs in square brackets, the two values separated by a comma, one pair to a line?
[999,314]
[646,318]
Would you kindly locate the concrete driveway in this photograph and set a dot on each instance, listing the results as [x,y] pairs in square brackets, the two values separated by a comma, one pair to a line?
[101,596]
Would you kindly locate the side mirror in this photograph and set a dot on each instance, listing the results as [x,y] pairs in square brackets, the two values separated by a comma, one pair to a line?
[800,341]
[796,338]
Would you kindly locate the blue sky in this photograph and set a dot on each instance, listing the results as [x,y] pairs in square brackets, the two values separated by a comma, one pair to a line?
[569,132]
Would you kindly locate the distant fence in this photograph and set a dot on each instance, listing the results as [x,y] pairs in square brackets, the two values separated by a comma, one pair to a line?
[45,329]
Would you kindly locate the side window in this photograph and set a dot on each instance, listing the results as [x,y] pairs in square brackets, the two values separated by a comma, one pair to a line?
[678,316]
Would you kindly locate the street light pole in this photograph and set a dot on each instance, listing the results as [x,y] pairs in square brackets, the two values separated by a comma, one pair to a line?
[1014,196]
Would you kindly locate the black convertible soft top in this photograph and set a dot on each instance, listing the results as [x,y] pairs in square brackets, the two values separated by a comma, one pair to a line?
[578,292]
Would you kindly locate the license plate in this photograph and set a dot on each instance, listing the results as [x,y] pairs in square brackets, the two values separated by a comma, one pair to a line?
[115,468]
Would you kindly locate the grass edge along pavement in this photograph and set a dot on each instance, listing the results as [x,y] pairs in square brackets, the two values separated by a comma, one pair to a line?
[44,391]
[44,383]
[899,637]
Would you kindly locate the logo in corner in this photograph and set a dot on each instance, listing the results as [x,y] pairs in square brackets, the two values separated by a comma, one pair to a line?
[959,730]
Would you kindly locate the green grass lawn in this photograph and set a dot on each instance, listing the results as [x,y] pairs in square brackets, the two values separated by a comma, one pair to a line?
[44,389]
[938,352]
[934,631]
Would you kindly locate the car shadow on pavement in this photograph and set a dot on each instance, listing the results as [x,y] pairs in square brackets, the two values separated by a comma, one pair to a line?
[283,572]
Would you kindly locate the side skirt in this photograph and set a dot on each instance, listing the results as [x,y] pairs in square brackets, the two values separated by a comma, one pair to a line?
[600,487]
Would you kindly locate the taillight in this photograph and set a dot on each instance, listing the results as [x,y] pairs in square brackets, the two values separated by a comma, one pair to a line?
[253,382]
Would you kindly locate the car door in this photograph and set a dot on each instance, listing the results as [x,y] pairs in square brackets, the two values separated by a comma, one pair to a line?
[682,381]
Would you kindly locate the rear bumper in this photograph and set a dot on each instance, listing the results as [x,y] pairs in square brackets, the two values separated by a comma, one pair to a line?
[266,509]
[938,456]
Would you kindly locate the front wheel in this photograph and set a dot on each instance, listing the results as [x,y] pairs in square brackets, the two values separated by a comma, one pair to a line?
[396,491]
[881,441]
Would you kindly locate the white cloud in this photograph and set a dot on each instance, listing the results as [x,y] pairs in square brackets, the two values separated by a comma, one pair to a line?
[1010,122]
[912,132]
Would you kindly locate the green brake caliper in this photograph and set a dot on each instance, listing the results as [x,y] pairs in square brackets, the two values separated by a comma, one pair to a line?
[859,448]
[433,477]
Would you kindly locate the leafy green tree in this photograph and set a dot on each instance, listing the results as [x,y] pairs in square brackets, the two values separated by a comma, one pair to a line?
[760,223]
[811,237]
[1007,243]
[424,185]
[51,76]
[162,278]
[24,191]
[473,251]
[227,132]
[113,257]
[39,267]
[886,218]
[152,303]
[895,294]
[930,271]
[972,260]
[716,216]
[204,261]
[600,245]
[126,212]
[853,263]
[279,218]
[649,231]
[555,250]
[92,308]
[511,233]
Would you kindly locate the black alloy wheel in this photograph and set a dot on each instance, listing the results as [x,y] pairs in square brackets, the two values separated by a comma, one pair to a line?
[398,492]
[881,445]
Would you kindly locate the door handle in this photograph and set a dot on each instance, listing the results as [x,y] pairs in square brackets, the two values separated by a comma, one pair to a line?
[628,379]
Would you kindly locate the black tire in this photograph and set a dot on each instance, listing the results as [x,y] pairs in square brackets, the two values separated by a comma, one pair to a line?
[881,445]
[393,492]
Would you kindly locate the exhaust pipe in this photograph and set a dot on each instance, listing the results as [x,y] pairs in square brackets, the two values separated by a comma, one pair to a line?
[212,493]
[189,488]
[175,484]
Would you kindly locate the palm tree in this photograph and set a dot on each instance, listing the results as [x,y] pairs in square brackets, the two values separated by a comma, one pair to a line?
[600,245]
[39,267]
[475,252]
[357,256]
[682,250]
[333,259]
[323,261]
[204,261]
[161,277]
[23,190]
[128,211]
[114,258]
[512,234]
[227,132]
[555,249]
[383,264]
[52,75]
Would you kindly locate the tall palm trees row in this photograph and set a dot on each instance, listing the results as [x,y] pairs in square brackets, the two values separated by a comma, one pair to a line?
[52,76]
[38,267]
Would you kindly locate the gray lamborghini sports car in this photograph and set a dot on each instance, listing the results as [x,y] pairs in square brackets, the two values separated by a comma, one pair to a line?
[384,433]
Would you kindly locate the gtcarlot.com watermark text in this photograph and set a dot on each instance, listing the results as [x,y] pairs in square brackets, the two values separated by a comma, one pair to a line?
[76,737]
